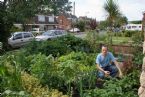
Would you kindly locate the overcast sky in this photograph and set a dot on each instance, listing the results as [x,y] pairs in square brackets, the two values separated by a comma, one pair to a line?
[132,9]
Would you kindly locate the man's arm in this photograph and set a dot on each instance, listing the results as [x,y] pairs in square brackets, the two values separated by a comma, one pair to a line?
[101,69]
[117,65]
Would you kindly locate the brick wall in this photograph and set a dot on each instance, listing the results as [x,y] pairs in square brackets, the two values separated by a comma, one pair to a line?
[123,49]
[63,22]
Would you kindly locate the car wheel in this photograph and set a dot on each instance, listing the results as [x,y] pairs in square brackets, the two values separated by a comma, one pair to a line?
[49,39]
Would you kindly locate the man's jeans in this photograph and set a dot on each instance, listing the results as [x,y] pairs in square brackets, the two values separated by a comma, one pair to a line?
[111,68]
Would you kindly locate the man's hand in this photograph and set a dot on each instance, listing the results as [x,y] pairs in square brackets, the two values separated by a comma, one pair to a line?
[107,73]
[120,74]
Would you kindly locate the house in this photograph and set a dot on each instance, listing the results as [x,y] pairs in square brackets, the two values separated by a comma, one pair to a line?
[41,22]
[64,22]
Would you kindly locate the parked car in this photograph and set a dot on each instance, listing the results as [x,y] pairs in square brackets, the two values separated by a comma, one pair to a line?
[74,30]
[19,39]
[36,31]
[50,34]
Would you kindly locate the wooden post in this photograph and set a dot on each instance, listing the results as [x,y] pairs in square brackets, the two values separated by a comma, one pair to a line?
[141,90]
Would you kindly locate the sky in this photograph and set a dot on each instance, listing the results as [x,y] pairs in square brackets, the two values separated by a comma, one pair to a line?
[132,9]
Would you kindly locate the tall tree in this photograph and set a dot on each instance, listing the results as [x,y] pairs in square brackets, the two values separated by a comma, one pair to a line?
[120,21]
[23,10]
[113,12]
[5,23]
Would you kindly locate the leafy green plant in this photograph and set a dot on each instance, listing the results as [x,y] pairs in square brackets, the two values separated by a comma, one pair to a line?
[127,86]
[137,39]
[46,47]
[33,85]
[75,43]
[10,73]
[75,72]
[129,33]
[95,40]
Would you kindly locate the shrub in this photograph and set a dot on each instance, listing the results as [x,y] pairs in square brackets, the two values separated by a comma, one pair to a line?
[129,33]
[46,47]
[137,43]
[32,85]
[95,40]
[59,46]
[75,44]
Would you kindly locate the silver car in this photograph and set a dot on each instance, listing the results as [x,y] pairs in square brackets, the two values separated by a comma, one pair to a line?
[50,34]
[19,39]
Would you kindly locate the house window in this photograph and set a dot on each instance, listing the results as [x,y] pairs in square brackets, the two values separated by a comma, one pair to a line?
[51,19]
[41,18]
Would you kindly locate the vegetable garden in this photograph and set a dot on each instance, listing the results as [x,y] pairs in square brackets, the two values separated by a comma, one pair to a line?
[63,67]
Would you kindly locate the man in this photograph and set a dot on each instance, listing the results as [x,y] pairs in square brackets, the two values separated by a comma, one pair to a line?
[106,64]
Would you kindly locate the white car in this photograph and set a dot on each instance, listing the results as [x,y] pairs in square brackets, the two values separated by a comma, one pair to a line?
[74,30]
[19,39]
[50,34]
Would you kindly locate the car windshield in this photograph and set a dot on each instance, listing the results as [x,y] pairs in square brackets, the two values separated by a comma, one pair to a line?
[49,33]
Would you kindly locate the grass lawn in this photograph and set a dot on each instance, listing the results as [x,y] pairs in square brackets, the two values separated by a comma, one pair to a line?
[121,40]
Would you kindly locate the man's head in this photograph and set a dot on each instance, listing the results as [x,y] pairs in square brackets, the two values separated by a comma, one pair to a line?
[104,50]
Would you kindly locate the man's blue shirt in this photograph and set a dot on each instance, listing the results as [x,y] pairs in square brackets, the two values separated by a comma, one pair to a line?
[104,61]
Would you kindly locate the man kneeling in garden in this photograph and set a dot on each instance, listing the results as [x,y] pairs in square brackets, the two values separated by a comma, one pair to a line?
[106,64]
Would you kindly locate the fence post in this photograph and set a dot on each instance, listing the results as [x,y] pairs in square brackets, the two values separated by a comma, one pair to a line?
[141,90]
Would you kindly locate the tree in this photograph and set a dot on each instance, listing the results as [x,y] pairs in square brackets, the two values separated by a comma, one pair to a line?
[93,24]
[113,12]
[5,24]
[81,25]
[103,25]
[21,11]
[24,10]
[136,22]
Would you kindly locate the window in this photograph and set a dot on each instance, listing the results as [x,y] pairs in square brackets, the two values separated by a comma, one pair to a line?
[51,18]
[41,18]
[18,36]
[57,32]
[26,35]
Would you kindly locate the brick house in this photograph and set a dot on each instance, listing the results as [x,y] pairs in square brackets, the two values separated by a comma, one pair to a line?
[64,22]
[43,22]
